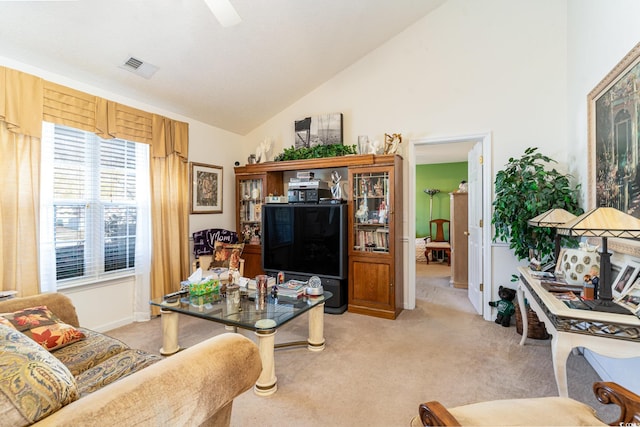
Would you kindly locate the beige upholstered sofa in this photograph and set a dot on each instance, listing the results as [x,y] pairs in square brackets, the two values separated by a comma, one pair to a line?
[98,380]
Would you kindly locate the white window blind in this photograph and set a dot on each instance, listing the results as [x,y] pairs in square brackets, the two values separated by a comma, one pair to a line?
[90,205]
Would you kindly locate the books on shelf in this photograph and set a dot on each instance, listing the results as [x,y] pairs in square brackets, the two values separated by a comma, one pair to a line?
[377,239]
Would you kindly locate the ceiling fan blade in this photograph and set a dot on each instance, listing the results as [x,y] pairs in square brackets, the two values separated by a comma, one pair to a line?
[224,12]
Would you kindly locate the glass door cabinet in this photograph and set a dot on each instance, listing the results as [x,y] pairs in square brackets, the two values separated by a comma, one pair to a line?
[251,190]
[375,224]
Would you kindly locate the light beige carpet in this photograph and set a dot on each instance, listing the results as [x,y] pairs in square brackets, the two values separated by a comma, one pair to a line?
[375,372]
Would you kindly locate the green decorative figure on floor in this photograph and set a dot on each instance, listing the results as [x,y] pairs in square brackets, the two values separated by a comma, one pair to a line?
[505,306]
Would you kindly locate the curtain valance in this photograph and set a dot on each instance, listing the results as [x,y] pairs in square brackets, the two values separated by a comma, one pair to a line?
[119,121]
[21,102]
[26,100]
[68,107]
[169,136]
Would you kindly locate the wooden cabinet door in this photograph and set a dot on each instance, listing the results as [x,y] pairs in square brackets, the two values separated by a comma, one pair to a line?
[371,289]
[252,255]
[459,240]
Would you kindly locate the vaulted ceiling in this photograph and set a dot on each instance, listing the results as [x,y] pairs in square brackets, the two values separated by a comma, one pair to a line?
[234,78]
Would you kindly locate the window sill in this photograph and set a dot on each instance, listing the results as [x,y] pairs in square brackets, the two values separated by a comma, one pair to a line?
[96,282]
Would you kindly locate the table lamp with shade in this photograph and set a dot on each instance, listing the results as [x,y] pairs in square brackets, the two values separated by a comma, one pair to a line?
[603,222]
[552,219]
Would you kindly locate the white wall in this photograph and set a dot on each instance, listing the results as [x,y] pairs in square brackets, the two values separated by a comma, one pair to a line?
[600,33]
[215,146]
[108,305]
[469,67]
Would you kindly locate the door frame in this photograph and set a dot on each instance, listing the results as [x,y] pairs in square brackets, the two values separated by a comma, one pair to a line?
[487,194]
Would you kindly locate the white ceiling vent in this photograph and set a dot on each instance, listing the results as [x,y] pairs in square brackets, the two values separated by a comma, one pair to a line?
[141,68]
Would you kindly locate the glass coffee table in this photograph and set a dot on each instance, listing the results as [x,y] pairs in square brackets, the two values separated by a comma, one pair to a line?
[244,310]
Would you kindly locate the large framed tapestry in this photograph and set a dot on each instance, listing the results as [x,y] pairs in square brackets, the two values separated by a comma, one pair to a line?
[614,143]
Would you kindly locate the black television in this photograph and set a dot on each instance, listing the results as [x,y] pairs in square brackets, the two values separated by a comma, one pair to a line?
[308,239]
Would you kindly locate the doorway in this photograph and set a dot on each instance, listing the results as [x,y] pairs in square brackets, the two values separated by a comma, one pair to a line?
[443,150]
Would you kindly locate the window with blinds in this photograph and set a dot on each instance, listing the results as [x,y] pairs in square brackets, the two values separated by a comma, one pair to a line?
[93,202]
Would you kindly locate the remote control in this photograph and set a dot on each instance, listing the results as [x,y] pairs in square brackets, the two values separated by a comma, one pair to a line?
[175,294]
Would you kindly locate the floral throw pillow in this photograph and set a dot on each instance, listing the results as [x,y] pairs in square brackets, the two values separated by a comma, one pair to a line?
[227,255]
[44,327]
[33,382]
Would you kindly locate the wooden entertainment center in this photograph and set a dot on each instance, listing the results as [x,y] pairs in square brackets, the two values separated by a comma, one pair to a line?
[374,198]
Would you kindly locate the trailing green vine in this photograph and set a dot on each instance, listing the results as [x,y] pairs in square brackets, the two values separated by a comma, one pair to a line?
[319,151]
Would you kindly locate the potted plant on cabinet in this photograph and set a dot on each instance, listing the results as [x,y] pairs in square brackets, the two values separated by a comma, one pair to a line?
[525,188]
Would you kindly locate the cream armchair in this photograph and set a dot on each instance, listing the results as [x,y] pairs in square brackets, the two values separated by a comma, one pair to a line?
[543,411]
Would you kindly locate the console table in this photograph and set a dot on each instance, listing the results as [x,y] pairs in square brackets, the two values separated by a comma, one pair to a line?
[608,334]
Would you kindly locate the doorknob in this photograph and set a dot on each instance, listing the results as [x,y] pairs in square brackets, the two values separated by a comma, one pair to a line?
[466,233]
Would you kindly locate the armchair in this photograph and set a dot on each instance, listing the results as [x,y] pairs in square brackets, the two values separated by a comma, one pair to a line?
[437,242]
[534,412]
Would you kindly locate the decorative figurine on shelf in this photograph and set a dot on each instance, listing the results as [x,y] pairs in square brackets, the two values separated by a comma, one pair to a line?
[391,143]
[363,212]
[246,234]
[364,187]
[376,147]
[255,235]
[255,193]
[377,188]
[505,306]
[382,212]
[591,282]
[336,189]
[263,150]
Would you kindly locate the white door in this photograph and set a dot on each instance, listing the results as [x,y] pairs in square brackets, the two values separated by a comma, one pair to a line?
[475,227]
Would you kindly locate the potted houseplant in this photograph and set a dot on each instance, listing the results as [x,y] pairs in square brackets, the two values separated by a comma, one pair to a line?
[525,188]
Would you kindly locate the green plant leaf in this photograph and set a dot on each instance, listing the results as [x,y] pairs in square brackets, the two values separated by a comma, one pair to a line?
[525,188]
[318,151]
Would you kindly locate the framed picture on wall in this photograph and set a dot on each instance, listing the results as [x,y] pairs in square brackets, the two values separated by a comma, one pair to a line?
[614,143]
[324,129]
[206,188]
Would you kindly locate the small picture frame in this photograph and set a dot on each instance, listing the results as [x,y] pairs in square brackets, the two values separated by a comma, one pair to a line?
[625,279]
[206,188]
[630,297]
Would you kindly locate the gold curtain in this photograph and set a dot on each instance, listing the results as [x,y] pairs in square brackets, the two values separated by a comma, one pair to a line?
[25,101]
[119,121]
[169,205]
[20,132]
